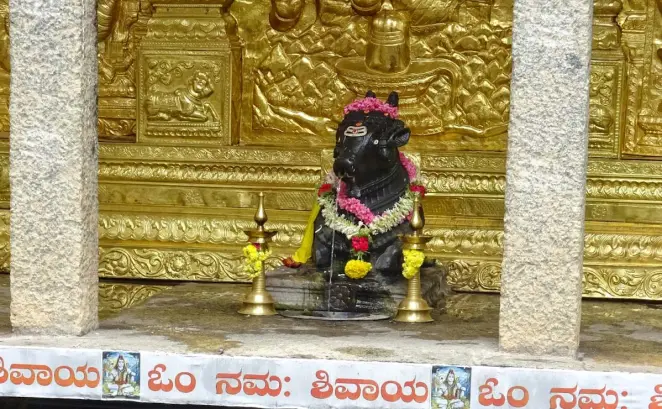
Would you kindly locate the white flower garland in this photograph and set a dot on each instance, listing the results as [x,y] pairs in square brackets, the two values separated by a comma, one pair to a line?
[381,224]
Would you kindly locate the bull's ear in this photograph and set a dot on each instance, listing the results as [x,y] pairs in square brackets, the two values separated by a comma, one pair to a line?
[399,138]
[370,94]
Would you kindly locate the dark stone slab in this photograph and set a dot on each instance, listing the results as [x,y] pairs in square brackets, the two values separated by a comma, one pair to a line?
[305,289]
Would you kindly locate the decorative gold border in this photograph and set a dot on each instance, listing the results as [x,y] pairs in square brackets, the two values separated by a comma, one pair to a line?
[190,229]
[114,297]
[179,264]
[620,282]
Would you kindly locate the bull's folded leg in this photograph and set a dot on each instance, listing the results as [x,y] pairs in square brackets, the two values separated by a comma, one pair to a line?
[321,256]
[389,263]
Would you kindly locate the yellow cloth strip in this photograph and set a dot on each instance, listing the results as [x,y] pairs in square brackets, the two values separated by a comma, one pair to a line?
[304,252]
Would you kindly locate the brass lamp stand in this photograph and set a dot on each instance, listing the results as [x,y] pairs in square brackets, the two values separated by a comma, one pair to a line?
[414,308]
[259,301]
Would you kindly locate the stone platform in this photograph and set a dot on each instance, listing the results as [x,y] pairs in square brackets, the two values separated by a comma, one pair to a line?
[194,329]
[306,290]
[202,318]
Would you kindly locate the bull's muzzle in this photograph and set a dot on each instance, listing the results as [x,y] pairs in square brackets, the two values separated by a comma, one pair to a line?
[344,167]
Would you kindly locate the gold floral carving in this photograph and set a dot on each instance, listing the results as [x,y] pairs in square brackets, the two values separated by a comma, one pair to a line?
[138,194]
[467,242]
[623,282]
[188,229]
[491,184]
[457,162]
[160,264]
[468,275]
[233,154]
[209,173]
[599,282]
[114,298]
[606,32]
[598,247]
[452,182]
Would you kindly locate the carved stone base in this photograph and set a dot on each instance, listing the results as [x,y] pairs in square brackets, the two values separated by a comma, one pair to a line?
[306,290]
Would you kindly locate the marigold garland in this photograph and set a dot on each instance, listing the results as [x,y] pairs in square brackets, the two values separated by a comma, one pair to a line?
[413,260]
[254,260]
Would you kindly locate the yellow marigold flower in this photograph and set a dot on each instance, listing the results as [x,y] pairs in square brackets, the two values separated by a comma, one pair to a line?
[356,269]
[250,251]
[254,260]
[412,263]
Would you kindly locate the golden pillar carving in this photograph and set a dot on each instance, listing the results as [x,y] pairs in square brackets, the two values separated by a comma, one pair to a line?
[189,65]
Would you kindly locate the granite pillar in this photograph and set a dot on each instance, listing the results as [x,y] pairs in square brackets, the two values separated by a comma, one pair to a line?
[53,166]
[546,177]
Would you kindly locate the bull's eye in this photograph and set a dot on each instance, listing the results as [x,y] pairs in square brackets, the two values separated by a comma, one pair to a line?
[375,142]
[352,131]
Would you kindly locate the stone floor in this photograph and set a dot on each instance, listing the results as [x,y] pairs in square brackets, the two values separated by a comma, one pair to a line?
[201,318]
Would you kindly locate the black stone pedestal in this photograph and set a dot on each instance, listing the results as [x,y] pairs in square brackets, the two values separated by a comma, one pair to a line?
[307,290]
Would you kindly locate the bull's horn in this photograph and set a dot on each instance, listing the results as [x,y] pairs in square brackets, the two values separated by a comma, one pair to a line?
[393,99]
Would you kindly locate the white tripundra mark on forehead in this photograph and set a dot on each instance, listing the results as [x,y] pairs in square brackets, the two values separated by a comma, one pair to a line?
[356,131]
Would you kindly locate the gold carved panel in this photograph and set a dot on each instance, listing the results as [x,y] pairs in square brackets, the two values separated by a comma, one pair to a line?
[203,104]
[178,99]
[455,91]
[188,76]
[643,135]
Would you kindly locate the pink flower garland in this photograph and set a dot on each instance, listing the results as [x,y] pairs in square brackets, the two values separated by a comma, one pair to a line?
[372,104]
[358,209]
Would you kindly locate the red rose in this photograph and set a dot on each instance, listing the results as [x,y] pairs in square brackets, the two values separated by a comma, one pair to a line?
[360,244]
[420,189]
[325,188]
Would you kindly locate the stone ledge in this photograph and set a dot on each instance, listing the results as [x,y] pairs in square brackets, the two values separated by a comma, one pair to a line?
[200,319]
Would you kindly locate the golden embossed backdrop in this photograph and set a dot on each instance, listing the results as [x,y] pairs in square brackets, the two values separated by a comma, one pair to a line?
[204,103]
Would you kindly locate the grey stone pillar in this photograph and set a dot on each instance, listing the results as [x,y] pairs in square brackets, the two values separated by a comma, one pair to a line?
[546,177]
[53,168]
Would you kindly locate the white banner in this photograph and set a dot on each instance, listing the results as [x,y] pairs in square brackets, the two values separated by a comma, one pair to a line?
[293,383]
[50,373]
[296,383]
[535,389]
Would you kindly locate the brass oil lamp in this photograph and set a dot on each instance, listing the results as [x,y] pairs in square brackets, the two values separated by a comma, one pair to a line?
[414,308]
[258,301]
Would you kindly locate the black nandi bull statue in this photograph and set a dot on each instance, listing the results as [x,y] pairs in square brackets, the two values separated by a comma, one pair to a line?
[368,167]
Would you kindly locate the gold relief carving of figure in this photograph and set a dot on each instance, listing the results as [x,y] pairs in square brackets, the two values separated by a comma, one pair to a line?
[4,68]
[366,7]
[296,90]
[4,36]
[602,88]
[606,32]
[285,14]
[185,103]
[643,134]
[116,36]
[453,76]
[427,14]
[180,100]
[116,54]
[189,74]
